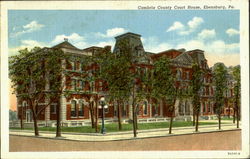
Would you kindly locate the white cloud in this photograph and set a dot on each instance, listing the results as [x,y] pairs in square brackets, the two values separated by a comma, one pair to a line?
[33,26]
[80,41]
[205,34]
[28,28]
[215,51]
[176,26]
[29,44]
[213,47]
[112,32]
[74,38]
[195,22]
[152,44]
[191,26]
[232,31]
[191,45]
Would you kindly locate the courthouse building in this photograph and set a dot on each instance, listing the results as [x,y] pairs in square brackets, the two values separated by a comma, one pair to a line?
[75,108]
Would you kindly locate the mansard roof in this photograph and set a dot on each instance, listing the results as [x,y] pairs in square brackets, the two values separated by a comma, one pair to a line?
[172,53]
[128,34]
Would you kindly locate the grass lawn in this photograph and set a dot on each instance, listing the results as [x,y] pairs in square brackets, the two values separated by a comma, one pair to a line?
[226,118]
[125,127]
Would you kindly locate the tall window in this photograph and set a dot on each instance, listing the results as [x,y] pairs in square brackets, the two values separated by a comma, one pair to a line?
[209,106]
[124,111]
[188,75]
[81,109]
[137,109]
[92,86]
[81,84]
[53,109]
[145,108]
[73,84]
[180,108]
[73,64]
[187,111]
[204,107]
[178,75]
[115,110]
[73,108]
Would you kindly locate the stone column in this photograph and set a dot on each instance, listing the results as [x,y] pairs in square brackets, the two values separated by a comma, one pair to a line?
[63,104]
[63,108]
[161,108]
[130,109]
[177,107]
[150,110]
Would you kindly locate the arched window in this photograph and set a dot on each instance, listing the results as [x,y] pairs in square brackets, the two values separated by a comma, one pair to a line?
[73,108]
[145,108]
[81,109]
[180,108]
[24,104]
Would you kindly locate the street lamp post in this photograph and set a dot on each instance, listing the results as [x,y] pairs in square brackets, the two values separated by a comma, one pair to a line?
[103,106]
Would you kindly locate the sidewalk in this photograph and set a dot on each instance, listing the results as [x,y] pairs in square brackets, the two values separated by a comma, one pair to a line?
[127,135]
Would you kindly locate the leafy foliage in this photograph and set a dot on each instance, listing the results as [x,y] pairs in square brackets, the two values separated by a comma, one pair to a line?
[196,85]
[220,83]
[163,83]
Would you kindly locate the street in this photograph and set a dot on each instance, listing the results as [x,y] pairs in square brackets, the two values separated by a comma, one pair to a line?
[224,140]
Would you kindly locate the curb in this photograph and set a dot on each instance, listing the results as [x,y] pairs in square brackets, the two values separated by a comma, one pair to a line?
[129,138]
[123,132]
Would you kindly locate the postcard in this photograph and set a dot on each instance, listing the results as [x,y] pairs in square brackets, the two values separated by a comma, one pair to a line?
[125,79]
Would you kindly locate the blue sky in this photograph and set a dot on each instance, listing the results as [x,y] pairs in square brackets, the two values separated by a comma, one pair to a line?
[214,31]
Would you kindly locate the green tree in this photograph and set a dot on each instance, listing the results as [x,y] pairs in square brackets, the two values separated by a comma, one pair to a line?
[220,83]
[141,90]
[164,86]
[12,115]
[196,85]
[36,76]
[237,88]
[115,70]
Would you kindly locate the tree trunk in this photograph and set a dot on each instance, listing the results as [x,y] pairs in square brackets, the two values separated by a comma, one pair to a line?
[238,119]
[58,120]
[219,117]
[35,123]
[91,109]
[21,119]
[237,113]
[193,118]
[234,115]
[96,118]
[119,116]
[134,113]
[229,113]
[171,124]
[134,123]
[197,121]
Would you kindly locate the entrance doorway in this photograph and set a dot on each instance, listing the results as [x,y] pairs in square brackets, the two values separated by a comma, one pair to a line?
[29,117]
